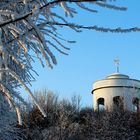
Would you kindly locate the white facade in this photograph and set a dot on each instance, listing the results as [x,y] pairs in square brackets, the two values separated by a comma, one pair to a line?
[117,91]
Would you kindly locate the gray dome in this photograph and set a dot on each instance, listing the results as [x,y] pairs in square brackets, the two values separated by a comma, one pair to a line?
[116,80]
[117,76]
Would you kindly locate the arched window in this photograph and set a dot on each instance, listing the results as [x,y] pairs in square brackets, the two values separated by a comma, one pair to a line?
[101,105]
[118,103]
[135,102]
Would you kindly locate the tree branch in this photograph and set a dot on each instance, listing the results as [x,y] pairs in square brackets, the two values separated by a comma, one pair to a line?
[24,16]
[102,29]
[95,27]
[58,1]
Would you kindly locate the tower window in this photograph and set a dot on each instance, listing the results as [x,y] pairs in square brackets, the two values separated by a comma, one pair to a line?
[118,102]
[100,103]
[135,103]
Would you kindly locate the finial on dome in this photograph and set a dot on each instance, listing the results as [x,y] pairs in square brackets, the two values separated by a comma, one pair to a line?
[117,63]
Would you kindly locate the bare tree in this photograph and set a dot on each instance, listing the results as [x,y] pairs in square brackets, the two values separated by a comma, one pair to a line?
[64,123]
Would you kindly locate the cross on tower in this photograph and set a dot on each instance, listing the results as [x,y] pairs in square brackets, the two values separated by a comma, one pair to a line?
[117,63]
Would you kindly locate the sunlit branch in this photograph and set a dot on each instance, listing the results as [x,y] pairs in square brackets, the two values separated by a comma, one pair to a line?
[16,18]
[97,28]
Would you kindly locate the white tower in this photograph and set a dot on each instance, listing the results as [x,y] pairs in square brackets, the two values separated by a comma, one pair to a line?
[116,91]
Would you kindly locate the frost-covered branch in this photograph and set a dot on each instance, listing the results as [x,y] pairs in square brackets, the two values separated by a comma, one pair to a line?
[17,17]
[97,28]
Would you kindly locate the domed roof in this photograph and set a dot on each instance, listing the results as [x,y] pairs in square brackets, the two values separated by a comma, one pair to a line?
[116,80]
[117,76]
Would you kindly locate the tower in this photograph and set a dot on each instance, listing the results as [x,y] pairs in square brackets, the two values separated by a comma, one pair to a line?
[116,91]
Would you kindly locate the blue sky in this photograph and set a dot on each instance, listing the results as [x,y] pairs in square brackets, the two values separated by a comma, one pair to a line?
[91,57]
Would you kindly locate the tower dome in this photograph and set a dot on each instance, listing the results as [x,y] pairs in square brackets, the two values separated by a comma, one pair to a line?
[116,91]
[117,75]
